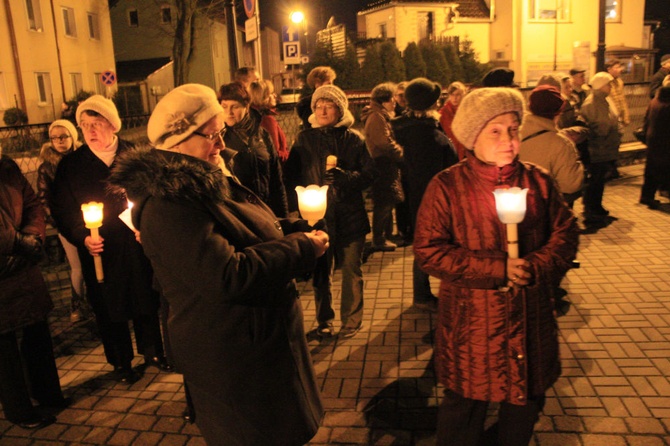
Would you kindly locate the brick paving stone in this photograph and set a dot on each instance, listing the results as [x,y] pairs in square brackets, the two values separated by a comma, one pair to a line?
[601,440]
[123,438]
[645,425]
[350,435]
[148,439]
[568,424]
[645,441]
[138,422]
[556,439]
[610,425]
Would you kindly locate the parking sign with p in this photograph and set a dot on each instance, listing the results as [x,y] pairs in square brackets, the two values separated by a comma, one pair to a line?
[291,52]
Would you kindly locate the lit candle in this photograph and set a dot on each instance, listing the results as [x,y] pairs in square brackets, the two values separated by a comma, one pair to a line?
[312,202]
[93,219]
[331,162]
[511,208]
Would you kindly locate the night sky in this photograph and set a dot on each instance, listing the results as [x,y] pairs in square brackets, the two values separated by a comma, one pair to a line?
[275,13]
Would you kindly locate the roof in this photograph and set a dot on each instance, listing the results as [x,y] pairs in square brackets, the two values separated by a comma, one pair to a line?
[138,70]
[471,9]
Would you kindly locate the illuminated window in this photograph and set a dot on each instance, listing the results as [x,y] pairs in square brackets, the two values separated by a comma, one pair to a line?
[99,86]
[4,99]
[93,26]
[43,88]
[76,83]
[425,23]
[34,14]
[613,10]
[549,10]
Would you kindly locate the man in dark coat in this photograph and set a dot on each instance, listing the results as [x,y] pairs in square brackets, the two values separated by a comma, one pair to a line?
[657,131]
[427,151]
[346,217]
[656,80]
[225,266]
[126,292]
[28,370]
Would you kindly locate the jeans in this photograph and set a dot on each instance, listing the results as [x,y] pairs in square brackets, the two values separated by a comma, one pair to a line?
[382,222]
[460,421]
[351,305]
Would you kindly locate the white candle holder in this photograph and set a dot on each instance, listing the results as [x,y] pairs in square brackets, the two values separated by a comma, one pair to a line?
[312,202]
[511,208]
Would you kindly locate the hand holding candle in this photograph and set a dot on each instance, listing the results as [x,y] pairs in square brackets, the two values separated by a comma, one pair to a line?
[312,202]
[331,162]
[511,208]
[93,219]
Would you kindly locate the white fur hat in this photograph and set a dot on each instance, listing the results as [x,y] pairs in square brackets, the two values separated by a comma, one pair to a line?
[104,107]
[181,112]
[599,80]
[480,106]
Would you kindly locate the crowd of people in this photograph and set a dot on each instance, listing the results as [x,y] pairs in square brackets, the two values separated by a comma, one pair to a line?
[206,268]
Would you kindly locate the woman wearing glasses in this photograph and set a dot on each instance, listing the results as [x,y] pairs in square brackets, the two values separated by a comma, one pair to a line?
[251,154]
[126,293]
[225,265]
[63,139]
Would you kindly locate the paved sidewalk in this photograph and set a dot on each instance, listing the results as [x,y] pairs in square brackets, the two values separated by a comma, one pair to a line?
[379,387]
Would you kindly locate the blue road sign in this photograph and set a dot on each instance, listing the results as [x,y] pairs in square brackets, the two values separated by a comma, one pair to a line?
[108,78]
[289,34]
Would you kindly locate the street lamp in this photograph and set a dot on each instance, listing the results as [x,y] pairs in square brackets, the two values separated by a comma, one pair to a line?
[299,17]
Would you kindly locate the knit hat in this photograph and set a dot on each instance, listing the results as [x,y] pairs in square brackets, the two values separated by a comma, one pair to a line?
[545,101]
[69,126]
[422,93]
[102,105]
[499,77]
[600,79]
[552,79]
[180,113]
[479,107]
[332,93]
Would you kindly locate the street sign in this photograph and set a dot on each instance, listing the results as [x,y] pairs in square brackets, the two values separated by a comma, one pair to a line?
[251,29]
[108,78]
[289,34]
[250,7]
[291,53]
[304,60]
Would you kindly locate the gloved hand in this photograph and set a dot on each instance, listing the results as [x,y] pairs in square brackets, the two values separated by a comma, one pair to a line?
[28,246]
[335,176]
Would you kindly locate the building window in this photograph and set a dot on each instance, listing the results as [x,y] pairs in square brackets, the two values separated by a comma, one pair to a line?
[43,88]
[133,18]
[34,14]
[4,100]
[93,26]
[99,86]
[69,23]
[549,10]
[166,14]
[425,23]
[76,83]
[382,31]
[613,10]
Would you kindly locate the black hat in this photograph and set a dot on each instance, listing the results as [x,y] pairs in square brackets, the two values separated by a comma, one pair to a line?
[422,93]
[574,71]
[499,77]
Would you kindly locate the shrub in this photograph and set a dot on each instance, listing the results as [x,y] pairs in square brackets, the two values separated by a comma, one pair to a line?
[15,116]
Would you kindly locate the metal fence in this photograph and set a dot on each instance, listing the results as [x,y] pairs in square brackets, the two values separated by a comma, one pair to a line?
[23,143]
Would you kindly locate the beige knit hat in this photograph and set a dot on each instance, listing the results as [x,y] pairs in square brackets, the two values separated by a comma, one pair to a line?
[332,93]
[599,80]
[67,125]
[102,105]
[180,113]
[479,107]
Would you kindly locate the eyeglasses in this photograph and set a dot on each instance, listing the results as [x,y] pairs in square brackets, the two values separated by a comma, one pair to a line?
[325,107]
[212,137]
[94,125]
[61,138]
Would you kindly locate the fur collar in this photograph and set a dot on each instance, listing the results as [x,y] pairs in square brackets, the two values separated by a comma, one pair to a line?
[142,174]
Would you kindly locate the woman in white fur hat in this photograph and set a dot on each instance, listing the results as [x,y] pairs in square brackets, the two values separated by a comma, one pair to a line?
[127,291]
[496,336]
[225,264]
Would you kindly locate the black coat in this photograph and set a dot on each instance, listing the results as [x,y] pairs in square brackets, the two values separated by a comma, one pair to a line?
[256,162]
[427,151]
[127,290]
[225,268]
[657,130]
[346,216]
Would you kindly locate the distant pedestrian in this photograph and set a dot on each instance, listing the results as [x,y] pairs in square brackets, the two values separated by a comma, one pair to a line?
[580,89]
[657,79]
[246,75]
[455,93]
[316,78]
[387,155]
[264,101]
[657,131]
[499,77]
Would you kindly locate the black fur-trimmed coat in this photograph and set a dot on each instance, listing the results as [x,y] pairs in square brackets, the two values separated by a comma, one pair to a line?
[225,266]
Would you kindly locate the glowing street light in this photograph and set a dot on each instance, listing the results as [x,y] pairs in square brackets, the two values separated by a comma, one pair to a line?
[299,17]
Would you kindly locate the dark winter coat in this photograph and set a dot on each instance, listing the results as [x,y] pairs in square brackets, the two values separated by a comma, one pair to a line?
[346,216]
[256,163]
[24,297]
[127,291]
[386,154]
[226,268]
[427,151]
[657,131]
[494,343]
[604,136]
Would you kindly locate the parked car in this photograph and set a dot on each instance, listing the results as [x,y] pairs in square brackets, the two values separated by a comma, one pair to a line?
[288,97]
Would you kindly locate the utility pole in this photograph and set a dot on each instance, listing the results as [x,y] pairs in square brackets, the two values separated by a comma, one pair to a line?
[231,28]
[600,52]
